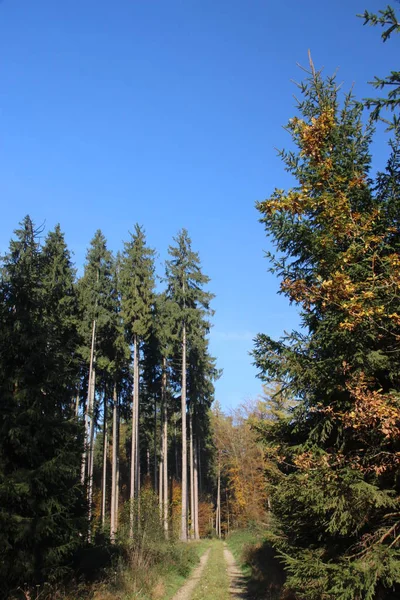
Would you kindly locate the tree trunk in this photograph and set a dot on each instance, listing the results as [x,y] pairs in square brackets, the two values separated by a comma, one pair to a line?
[155,448]
[176,450]
[104,479]
[91,445]
[114,490]
[137,454]
[184,443]
[165,445]
[135,431]
[77,403]
[196,492]
[117,476]
[87,409]
[199,466]
[218,515]
[160,479]
[191,471]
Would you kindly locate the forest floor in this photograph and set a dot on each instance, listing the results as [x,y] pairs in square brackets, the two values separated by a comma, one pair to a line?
[218,576]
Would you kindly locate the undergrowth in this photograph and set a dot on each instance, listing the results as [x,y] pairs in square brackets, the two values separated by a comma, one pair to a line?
[139,565]
[260,564]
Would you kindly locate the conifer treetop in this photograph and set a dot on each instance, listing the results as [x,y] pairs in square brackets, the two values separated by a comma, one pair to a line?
[137,283]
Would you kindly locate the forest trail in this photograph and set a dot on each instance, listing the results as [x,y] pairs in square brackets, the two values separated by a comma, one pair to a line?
[237,581]
[218,576]
[185,593]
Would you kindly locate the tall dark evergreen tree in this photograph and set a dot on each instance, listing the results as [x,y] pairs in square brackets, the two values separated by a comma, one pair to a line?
[118,367]
[137,296]
[157,360]
[185,282]
[42,508]
[97,329]
[336,497]
[61,302]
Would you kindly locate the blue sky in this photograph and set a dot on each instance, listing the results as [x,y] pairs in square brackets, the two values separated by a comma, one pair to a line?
[168,113]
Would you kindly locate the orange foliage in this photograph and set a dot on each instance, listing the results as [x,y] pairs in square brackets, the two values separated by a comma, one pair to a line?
[330,208]
[242,468]
[373,409]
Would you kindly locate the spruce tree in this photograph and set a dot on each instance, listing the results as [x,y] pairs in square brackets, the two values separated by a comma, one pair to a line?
[119,374]
[163,353]
[387,19]
[191,305]
[42,509]
[337,256]
[137,295]
[96,300]
[60,298]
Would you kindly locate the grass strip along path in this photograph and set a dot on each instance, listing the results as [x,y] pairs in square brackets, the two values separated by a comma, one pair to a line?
[218,577]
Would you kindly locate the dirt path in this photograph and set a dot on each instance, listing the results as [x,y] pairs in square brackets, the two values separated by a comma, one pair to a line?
[186,590]
[221,579]
[237,582]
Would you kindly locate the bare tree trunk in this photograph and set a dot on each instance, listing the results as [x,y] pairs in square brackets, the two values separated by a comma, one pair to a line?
[117,476]
[114,491]
[87,408]
[137,454]
[165,445]
[218,515]
[77,402]
[91,445]
[176,451]
[199,466]
[134,448]
[104,479]
[191,471]
[184,443]
[196,492]
[160,480]
[155,448]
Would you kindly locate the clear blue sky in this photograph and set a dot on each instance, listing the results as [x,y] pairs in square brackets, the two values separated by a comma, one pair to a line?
[168,113]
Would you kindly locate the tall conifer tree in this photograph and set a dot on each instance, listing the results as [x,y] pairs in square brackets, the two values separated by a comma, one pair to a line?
[137,295]
[96,299]
[336,498]
[185,282]
[42,511]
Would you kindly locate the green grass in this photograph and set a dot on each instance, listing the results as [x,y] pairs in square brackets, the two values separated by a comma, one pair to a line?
[214,582]
[154,574]
[259,563]
[239,541]
[171,581]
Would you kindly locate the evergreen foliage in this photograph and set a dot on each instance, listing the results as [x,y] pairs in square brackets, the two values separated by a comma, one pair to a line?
[185,282]
[336,234]
[97,301]
[388,20]
[195,369]
[54,333]
[137,284]
[42,509]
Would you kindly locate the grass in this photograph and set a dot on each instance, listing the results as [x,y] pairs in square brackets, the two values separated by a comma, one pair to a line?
[165,574]
[155,571]
[171,581]
[214,581]
[259,563]
[240,542]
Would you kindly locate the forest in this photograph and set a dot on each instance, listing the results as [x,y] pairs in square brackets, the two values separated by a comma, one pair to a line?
[120,470]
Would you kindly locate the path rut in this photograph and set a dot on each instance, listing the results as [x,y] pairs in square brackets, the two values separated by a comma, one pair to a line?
[237,581]
[186,590]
